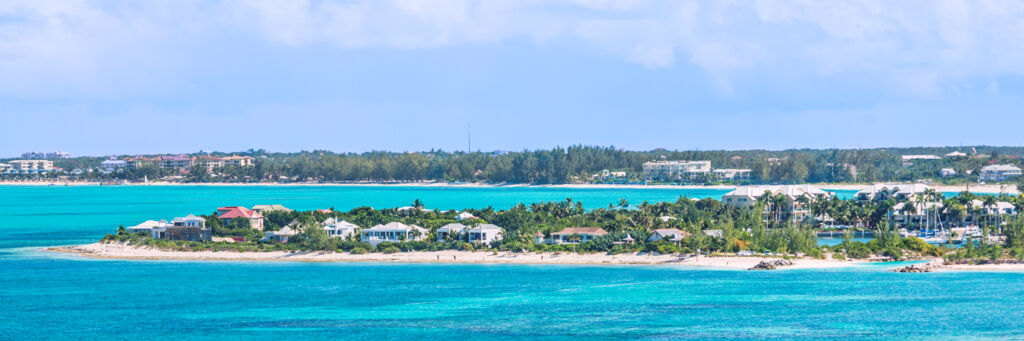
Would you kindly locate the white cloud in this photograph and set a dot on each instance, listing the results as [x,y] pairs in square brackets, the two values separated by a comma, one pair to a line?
[912,47]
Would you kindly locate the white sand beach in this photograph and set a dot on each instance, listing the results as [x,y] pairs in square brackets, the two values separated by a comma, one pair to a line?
[123,251]
[976,188]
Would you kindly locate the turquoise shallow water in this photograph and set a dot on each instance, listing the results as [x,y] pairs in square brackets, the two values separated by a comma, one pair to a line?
[55,296]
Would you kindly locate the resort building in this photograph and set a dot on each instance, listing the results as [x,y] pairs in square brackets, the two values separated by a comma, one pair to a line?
[140,162]
[31,166]
[747,196]
[729,174]
[675,170]
[237,161]
[568,235]
[176,162]
[393,232]
[339,228]
[263,209]
[282,235]
[999,173]
[882,192]
[917,214]
[113,164]
[45,156]
[947,172]
[5,167]
[230,213]
[671,235]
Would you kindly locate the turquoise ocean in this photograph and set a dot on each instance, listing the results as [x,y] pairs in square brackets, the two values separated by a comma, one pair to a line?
[56,296]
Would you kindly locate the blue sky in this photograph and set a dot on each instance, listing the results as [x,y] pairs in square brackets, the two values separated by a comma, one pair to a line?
[104,77]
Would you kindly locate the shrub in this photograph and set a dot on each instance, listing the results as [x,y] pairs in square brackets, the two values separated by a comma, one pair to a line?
[838,256]
[358,250]
[390,249]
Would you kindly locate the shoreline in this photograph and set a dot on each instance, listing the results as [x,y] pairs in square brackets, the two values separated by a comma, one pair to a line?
[975,188]
[128,252]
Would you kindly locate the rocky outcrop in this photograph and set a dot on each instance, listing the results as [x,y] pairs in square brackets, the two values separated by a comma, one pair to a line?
[771,264]
[922,267]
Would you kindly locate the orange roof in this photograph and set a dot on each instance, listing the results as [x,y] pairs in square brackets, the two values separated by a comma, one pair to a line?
[582,230]
[231,212]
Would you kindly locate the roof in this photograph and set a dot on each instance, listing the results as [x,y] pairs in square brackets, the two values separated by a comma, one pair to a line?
[452,227]
[148,224]
[189,217]
[788,190]
[956,154]
[714,233]
[464,216]
[919,157]
[286,231]
[395,226]
[339,224]
[175,158]
[582,230]
[1000,168]
[270,208]
[231,212]
[895,188]
[486,227]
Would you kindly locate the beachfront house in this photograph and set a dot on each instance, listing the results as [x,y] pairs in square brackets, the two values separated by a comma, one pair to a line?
[997,173]
[393,232]
[485,233]
[336,228]
[188,228]
[282,235]
[453,231]
[793,208]
[573,235]
[230,213]
[113,164]
[671,235]
[152,227]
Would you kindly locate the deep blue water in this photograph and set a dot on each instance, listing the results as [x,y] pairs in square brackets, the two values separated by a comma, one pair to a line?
[56,296]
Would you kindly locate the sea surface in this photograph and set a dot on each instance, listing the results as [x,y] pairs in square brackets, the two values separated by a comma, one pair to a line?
[47,295]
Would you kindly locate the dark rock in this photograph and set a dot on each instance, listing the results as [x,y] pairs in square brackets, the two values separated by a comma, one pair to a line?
[771,264]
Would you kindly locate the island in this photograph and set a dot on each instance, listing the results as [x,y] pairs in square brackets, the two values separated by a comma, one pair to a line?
[751,227]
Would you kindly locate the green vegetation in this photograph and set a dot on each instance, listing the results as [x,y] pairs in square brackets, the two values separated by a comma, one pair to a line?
[575,164]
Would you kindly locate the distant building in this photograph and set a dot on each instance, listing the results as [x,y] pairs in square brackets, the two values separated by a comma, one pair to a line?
[919,157]
[947,172]
[999,173]
[281,235]
[464,216]
[113,164]
[31,166]
[230,213]
[453,231]
[5,168]
[675,170]
[45,156]
[176,162]
[134,163]
[728,174]
[956,155]
[189,228]
[393,232]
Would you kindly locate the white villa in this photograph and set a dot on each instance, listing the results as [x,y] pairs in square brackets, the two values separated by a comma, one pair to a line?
[726,174]
[339,228]
[393,232]
[153,227]
[746,196]
[188,228]
[484,233]
[999,173]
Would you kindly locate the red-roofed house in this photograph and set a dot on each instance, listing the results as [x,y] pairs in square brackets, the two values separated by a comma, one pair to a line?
[229,213]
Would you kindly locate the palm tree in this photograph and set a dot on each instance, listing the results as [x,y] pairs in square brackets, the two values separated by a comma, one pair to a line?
[908,209]
[988,203]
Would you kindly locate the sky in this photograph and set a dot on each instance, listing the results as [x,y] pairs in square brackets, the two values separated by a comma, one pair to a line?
[130,77]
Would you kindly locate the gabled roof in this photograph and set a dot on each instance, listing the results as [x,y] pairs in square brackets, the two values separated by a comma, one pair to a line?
[338,224]
[231,212]
[582,230]
[189,217]
[452,227]
[486,227]
[395,226]
[270,208]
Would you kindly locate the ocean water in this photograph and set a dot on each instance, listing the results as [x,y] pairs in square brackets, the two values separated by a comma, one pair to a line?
[56,296]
